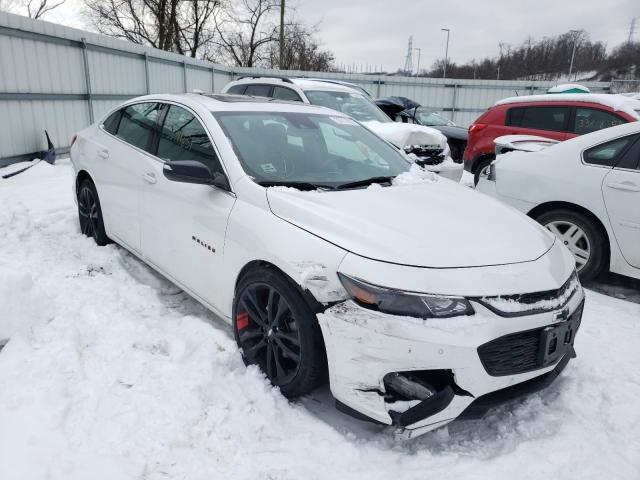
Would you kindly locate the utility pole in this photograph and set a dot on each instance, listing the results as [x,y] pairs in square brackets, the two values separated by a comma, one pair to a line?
[573,51]
[418,70]
[282,2]
[446,53]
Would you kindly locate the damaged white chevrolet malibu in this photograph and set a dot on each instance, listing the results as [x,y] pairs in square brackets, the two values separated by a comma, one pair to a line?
[332,255]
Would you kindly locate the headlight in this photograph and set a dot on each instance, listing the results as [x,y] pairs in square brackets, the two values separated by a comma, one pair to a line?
[397,302]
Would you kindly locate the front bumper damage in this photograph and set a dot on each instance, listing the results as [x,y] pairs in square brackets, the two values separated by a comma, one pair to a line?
[366,348]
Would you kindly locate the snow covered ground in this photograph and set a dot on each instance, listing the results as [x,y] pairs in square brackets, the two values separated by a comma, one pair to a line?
[112,373]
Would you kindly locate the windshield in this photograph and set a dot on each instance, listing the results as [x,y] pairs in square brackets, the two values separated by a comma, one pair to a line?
[288,148]
[353,104]
[432,119]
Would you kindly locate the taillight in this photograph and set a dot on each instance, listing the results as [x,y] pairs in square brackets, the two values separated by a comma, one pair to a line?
[476,127]
[73,140]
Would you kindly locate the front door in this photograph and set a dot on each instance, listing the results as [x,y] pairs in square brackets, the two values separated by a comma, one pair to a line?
[183,224]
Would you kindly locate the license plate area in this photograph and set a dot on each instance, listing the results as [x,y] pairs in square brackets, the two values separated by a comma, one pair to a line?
[555,341]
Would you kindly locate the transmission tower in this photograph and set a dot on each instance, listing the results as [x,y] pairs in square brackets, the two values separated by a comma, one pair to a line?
[408,63]
[632,29]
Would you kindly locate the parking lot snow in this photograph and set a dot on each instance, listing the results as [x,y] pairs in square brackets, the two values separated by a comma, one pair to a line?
[112,373]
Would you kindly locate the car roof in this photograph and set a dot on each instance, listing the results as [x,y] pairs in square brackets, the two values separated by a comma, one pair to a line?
[227,102]
[618,103]
[302,83]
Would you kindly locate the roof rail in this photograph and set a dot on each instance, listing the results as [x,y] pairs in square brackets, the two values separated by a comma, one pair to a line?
[284,79]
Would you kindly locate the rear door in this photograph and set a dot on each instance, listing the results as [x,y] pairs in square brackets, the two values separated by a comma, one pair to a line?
[621,192]
[183,224]
[591,119]
[125,148]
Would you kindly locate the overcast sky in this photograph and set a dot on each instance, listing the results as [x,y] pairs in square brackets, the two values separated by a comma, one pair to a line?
[376,32]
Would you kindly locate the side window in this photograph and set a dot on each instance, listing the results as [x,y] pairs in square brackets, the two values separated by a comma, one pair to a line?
[608,154]
[544,118]
[111,123]
[282,93]
[184,138]
[137,124]
[258,90]
[591,119]
[237,89]
[631,158]
[514,117]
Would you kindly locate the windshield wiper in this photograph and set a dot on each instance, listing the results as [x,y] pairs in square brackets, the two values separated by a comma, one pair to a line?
[365,182]
[294,184]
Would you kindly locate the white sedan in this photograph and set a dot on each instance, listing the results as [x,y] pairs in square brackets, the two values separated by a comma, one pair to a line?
[585,190]
[331,255]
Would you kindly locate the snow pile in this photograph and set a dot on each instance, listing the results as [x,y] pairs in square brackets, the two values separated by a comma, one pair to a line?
[415,174]
[118,378]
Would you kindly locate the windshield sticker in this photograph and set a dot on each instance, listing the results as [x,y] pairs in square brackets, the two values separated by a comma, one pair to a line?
[268,168]
[344,121]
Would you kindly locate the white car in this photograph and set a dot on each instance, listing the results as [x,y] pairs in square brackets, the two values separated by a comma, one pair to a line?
[331,255]
[585,190]
[426,145]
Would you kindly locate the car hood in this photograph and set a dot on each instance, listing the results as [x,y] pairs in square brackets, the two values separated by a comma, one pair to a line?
[452,131]
[439,224]
[405,134]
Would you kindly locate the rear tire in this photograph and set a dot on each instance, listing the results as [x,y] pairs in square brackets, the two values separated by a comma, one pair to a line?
[581,236]
[275,329]
[482,164]
[90,213]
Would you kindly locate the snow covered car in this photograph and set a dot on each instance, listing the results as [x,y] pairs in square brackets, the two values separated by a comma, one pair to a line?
[331,255]
[425,145]
[585,190]
[403,109]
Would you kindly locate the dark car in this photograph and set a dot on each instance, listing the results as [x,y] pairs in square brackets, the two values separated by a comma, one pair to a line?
[407,110]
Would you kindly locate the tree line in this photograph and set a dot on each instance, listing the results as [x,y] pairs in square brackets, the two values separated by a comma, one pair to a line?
[549,59]
[243,33]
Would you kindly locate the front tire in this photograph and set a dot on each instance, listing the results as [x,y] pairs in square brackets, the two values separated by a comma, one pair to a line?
[276,330]
[90,213]
[581,236]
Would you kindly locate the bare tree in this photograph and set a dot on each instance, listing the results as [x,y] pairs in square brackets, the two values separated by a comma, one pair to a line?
[301,50]
[32,8]
[245,31]
[195,31]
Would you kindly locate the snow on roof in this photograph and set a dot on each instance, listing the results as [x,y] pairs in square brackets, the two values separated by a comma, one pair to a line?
[618,103]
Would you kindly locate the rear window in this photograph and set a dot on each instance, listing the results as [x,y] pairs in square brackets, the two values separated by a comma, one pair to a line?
[608,154]
[592,119]
[111,123]
[539,118]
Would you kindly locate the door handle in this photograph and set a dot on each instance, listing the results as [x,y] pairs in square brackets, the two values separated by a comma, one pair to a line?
[627,186]
[104,153]
[149,177]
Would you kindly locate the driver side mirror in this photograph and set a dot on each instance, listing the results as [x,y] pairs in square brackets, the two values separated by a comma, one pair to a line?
[193,171]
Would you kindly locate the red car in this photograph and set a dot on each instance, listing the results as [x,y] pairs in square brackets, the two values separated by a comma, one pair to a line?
[556,116]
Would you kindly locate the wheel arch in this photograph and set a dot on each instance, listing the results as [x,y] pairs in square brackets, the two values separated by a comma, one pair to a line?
[481,158]
[555,205]
[81,177]
[257,265]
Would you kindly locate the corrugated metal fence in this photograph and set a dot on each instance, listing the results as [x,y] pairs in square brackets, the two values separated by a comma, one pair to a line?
[61,79]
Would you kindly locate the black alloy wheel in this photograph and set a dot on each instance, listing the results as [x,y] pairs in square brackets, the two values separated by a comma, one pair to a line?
[277,331]
[268,333]
[90,214]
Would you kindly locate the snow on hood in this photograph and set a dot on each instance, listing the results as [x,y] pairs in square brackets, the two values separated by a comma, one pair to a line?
[618,103]
[403,134]
[428,224]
